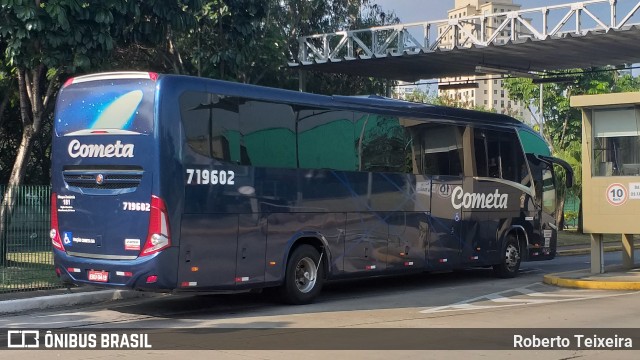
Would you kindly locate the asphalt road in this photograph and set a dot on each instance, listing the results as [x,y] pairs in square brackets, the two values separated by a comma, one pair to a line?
[456,300]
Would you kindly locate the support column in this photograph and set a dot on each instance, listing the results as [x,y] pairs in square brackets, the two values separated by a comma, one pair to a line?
[627,251]
[302,81]
[597,254]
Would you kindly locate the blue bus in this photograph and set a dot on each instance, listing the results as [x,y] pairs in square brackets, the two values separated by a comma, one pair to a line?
[172,183]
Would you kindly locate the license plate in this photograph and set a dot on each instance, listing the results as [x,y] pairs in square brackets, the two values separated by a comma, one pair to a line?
[100,276]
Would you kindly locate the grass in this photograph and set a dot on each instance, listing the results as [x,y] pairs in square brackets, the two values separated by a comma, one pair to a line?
[28,271]
[31,258]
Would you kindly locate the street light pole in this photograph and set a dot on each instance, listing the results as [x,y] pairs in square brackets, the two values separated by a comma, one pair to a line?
[541,117]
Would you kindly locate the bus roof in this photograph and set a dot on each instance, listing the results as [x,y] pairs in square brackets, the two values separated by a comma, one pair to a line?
[371,103]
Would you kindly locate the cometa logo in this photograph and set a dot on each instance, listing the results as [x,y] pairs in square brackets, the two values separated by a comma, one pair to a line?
[460,199]
[76,149]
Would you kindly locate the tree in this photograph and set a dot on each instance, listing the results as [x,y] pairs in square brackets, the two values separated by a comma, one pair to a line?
[146,35]
[562,123]
[421,96]
[46,40]
[338,15]
[252,41]
[248,41]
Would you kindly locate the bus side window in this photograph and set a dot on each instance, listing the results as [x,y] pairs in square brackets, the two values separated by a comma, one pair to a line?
[382,143]
[268,131]
[211,125]
[504,156]
[480,151]
[441,149]
[548,190]
[325,139]
[493,152]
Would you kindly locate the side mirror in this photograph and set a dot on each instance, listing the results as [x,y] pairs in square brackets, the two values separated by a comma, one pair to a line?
[565,165]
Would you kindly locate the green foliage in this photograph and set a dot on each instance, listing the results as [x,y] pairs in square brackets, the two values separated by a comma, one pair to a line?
[248,41]
[64,34]
[563,124]
[573,155]
[420,96]
[571,217]
[251,41]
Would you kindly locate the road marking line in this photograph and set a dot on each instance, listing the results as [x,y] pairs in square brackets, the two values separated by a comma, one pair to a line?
[506,301]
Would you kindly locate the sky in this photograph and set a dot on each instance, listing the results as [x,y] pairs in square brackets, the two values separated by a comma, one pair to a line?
[425,10]
[409,11]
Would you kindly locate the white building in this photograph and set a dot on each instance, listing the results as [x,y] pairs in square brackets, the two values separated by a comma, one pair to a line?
[489,93]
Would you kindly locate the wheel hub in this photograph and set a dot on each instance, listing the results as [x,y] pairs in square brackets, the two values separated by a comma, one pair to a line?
[306,273]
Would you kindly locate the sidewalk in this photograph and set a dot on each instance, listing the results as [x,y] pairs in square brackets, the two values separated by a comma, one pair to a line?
[17,302]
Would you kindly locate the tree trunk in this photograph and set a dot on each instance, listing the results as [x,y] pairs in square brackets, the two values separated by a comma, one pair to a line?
[33,102]
[10,195]
[560,212]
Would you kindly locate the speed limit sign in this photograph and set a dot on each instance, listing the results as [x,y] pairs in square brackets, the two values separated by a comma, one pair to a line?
[617,194]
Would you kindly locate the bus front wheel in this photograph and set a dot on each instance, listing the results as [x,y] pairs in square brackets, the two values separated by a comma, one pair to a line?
[304,276]
[511,258]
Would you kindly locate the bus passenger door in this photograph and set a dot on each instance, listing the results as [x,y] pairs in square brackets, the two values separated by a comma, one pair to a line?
[443,251]
[545,238]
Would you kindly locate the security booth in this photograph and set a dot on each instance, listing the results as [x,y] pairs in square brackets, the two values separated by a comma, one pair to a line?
[610,171]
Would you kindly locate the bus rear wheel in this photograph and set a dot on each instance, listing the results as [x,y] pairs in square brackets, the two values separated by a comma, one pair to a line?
[304,276]
[511,258]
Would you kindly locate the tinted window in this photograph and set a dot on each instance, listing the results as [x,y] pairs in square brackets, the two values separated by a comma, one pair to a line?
[499,155]
[327,139]
[440,149]
[269,134]
[480,152]
[211,124]
[118,104]
[383,144]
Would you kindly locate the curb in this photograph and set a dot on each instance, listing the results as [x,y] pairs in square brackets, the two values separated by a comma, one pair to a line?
[53,301]
[584,251]
[558,280]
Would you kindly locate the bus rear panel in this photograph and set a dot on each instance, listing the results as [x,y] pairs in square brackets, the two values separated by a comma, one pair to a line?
[109,225]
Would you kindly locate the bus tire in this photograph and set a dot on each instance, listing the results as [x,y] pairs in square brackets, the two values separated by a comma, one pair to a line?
[511,259]
[304,276]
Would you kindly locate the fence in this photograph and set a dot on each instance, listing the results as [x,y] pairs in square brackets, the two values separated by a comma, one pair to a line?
[26,259]
[571,209]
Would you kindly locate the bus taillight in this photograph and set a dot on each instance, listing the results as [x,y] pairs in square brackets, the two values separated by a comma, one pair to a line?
[54,234]
[158,237]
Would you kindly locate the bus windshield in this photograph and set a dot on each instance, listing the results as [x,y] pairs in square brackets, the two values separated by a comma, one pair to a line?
[106,106]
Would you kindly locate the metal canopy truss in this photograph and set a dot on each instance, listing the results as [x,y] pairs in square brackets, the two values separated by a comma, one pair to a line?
[545,38]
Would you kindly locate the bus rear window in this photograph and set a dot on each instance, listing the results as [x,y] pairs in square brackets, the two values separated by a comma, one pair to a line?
[122,106]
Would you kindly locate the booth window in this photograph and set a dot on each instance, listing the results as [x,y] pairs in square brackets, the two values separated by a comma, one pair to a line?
[616,142]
